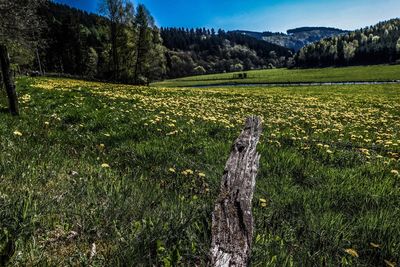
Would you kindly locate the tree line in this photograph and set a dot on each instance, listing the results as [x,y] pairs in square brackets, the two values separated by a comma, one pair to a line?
[122,44]
[376,44]
[204,51]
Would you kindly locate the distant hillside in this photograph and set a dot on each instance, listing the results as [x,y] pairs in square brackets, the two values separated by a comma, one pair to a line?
[377,44]
[297,38]
[201,51]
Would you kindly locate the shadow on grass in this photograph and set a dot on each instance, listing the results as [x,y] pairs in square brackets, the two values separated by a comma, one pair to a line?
[4,110]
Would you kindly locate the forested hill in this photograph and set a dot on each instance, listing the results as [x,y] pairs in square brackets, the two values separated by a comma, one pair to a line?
[200,51]
[371,45]
[78,43]
[297,38]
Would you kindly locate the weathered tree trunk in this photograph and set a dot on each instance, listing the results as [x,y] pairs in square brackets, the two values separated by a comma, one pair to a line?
[8,80]
[114,51]
[39,62]
[232,221]
[1,79]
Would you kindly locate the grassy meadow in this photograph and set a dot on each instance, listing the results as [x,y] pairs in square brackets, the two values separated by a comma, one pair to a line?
[348,74]
[96,174]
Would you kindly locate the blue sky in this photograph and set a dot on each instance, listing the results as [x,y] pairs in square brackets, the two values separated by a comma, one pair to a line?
[263,15]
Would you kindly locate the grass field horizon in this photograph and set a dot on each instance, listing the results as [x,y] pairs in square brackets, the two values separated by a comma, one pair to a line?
[330,74]
[107,174]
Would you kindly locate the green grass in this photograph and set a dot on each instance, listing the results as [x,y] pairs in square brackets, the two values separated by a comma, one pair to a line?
[347,74]
[329,157]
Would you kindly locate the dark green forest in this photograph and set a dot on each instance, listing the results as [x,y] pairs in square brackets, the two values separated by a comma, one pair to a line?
[202,51]
[78,43]
[122,46]
[378,44]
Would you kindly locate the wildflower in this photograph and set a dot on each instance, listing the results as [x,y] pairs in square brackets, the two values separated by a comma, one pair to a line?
[395,172]
[187,172]
[17,133]
[172,133]
[375,245]
[263,202]
[105,166]
[46,123]
[390,264]
[202,174]
[171,170]
[352,252]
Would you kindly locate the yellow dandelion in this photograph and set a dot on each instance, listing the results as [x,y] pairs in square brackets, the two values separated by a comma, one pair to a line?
[17,133]
[374,245]
[352,252]
[202,174]
[390,264]
[263,202]
[171,170]
[187,172]
[172,133]
[105,166]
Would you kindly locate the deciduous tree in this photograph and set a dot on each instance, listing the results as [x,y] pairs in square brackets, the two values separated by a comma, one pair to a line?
[114,11]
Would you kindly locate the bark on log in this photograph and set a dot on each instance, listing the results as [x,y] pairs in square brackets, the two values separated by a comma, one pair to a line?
[8,80]
[232,220]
